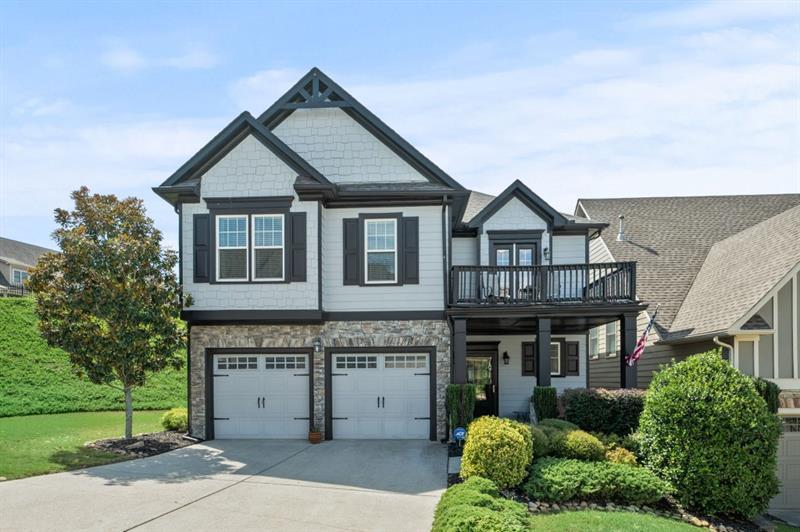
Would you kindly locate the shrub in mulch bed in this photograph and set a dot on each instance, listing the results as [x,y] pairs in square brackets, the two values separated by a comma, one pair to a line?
[142,445]
[601,410]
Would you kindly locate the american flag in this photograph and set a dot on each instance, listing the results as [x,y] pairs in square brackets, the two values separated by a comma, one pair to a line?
[634,357]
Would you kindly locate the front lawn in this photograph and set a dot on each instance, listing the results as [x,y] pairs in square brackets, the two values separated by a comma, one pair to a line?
[34,445]
[611,521]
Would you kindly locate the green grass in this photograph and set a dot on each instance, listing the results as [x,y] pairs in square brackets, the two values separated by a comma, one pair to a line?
[610,521]
[38,379]
[34,445]
[781,527]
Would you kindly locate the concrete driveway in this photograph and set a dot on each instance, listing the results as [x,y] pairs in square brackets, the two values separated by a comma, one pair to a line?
[241,485]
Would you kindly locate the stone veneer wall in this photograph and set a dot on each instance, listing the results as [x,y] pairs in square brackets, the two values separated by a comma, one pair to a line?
[427,333]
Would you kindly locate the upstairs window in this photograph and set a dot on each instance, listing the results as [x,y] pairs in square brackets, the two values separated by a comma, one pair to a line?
[268,258]
[381,251]
[20,276]
[232,248]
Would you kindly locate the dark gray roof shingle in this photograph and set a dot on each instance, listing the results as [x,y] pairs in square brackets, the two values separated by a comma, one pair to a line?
[670,237]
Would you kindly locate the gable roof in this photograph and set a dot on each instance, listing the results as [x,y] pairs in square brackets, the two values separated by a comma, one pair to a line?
[17,252]
[737,273]
[315,90]
[518,190]
[186,180]
[670,237]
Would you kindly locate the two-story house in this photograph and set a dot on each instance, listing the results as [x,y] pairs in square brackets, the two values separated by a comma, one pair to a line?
[335,277]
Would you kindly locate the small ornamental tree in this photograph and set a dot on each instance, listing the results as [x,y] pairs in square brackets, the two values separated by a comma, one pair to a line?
[111,298]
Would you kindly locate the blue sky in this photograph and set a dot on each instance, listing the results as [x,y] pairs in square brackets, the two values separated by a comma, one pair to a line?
[577,99]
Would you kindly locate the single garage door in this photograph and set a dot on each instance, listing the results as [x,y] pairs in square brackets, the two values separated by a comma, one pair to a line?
[788,467]
[380,396]
[261,396]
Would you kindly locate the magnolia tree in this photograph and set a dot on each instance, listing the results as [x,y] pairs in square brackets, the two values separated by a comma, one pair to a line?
[111,297]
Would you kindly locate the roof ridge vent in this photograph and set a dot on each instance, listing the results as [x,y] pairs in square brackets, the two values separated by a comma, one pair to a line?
[621,234]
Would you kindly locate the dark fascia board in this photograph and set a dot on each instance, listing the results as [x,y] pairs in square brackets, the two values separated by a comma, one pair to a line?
[269,202]
[519,190]
[179,193]
[282,108]
[547,311]
[229,137]
[251,317]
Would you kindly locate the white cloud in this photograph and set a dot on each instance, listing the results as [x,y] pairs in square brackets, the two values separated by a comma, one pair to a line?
[123,59]
[37,107]
[257,92]
[720,13]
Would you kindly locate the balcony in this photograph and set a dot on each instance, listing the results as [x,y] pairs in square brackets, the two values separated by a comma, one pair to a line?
[603,283]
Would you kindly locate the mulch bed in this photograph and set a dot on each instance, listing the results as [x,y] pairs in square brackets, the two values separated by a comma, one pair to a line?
[454,449]
[142,445]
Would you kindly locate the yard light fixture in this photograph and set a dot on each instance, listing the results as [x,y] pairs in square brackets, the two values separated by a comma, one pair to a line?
[506,358]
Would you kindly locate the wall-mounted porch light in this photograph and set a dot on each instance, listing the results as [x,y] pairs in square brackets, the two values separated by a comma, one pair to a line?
[317,345]
[506,358]
[546,252]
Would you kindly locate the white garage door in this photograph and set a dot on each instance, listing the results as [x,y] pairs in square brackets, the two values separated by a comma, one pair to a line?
[261,396]
[789,467]
[378,396]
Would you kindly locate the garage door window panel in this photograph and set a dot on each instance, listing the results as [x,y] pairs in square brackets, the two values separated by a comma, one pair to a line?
[237,362]
[356,362]
[284,362]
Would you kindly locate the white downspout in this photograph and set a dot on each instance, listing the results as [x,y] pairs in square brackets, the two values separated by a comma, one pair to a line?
[719,342]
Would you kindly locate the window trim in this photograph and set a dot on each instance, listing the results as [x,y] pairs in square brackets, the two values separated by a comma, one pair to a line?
[253,247]
[596,341]
[367,251]
[556,373]
[21,281]
[218,248]
[561,350]
[611,354]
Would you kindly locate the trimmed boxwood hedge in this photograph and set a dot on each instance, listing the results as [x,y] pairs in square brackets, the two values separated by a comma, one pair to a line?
[498,449]
[601,410]
[564,479]
[477,506]
[706,430]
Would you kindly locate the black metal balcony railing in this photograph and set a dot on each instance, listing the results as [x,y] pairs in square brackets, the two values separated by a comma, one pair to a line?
[14,290]
[530,285]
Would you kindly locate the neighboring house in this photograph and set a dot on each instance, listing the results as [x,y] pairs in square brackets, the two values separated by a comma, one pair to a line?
[340,280]
[725,271]
[16,260]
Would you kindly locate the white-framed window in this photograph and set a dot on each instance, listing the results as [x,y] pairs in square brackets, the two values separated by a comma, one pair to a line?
[611,339]
[594,343]
[19,276]
[555,358]
[232,248]
[380,261]
[268,247]
[237,362]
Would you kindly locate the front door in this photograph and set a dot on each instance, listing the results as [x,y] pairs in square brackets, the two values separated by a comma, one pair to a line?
[482,372]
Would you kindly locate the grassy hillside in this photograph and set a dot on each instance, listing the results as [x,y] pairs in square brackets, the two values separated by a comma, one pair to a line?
[37,379]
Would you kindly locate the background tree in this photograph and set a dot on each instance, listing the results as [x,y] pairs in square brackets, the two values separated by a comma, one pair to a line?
[111,297]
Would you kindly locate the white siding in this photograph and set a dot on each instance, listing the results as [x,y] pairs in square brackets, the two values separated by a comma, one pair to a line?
[465,252]
[250,169]
[569,249]
[342,149]
[515,390]
[513,216]
[427,295]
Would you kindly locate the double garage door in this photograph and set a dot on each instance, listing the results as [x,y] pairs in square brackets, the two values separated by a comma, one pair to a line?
[372,395]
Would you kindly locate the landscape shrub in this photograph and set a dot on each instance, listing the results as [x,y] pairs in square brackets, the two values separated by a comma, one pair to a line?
[544,401]
[601,410]
[460,399]
[498,449]
[705,429]
[769,391]
[476,505]
[576,444]
[176,419]
[564,479]
[559,424]
[620,455]
[541,445]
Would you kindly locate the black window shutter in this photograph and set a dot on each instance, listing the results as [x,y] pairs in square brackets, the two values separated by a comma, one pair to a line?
[201,251]
[297,247]
[528,359]
[410,251]
[352,259]
[572,358]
